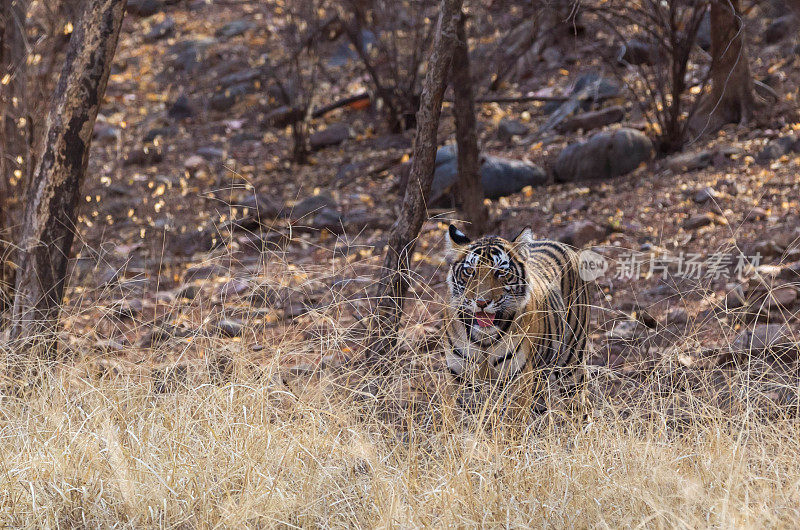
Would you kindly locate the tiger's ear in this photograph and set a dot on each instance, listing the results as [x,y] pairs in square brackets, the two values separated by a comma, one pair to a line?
[455,239]
[525,237]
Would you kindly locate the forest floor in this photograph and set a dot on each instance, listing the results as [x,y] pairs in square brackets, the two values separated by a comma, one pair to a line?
[208,388]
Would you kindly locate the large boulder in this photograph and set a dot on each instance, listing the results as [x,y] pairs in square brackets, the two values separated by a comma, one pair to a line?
[604,155]
[499,176]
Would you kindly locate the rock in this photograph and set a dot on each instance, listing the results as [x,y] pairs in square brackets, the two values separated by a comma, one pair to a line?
[735,298]
[246,76]
[229,327]
[225,99]
[790,272]
[234,29]
[705,194]
[105,133]
[499,176]
[789,143]
[569,205]
[188,292]
[604,155]
[756,214]
[264,296]
[329,219]
[162,30]
[763,338]
[689,161]
[194,162]
[181,109]
[592,120]
[781,297]
[507,129]
[160,132]
[779,28]
[699,221]
[233,287]
[190,55]
[627,330]
[148,155]
[205,272]
[677,316]
[211,153]
[143,8]
[703,38]
[637,51]
[768,248]
[332,135]
[312,205]
[581,233]
[282,116]
[262,205]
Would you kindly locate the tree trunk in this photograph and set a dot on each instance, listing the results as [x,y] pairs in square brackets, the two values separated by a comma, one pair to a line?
[732,98]
[52,198]
[469,183]
[13,140]
[393,282]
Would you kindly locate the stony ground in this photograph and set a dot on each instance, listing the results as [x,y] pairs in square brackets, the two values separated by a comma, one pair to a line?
[196,225]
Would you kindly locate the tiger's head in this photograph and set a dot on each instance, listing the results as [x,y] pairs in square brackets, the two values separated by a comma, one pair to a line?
[487,282]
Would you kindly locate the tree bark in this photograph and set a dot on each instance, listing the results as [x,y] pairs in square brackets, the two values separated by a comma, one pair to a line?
[50,210]
[469,183]
[393,282]
[13,140]
[732,97]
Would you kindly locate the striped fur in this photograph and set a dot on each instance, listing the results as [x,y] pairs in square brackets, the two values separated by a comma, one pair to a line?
[516,307]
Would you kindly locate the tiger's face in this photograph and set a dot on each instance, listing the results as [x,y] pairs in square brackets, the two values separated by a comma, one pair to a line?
[487,284]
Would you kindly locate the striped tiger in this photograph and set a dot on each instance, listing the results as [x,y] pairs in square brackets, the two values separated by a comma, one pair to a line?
[516,307]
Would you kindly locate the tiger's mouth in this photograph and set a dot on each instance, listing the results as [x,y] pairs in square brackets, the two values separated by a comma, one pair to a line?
[484,319]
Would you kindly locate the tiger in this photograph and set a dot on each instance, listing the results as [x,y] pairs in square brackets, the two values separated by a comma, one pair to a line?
[517,307]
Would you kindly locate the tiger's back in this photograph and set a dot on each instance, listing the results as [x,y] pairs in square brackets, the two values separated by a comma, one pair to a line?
[516,307]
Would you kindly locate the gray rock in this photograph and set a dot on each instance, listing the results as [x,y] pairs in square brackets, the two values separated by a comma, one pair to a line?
[699,221]
[779,28]
[581,233]
[333,135]
[211,153]
[147,155]
[181,109]
[499,176]
[247,75]
[143,8]
[229,327]
[779,147]
[604,155]
[637,51]
[763,337]
[312,205]
[705,194]
[234,29]
[190,55]
[592,120]
[507,129]
[690,161]
[225,99]
[162,30]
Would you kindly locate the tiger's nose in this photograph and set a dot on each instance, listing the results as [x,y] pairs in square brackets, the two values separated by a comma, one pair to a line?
[481,303]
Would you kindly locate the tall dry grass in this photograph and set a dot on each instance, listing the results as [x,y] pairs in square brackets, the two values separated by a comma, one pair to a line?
[261,451]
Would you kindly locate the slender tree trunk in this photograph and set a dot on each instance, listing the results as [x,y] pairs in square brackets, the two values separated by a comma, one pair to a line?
[13,141]
[52,198]
[393,282]
[732,98]
[469,184]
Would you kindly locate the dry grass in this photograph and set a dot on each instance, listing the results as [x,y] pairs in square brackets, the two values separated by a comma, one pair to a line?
[258,451]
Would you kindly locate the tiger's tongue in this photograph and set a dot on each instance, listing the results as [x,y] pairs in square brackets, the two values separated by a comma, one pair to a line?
[484,319]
